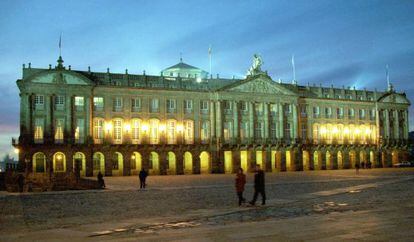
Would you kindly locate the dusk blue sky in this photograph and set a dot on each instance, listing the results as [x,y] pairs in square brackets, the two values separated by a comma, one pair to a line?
[334,42]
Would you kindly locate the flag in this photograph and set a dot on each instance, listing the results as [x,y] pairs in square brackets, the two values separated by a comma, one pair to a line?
[60,41]
[293,61]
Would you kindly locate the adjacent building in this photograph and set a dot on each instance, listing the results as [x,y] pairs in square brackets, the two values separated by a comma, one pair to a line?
[185,121]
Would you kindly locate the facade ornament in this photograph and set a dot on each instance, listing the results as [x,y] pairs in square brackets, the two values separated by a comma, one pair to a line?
[256,67]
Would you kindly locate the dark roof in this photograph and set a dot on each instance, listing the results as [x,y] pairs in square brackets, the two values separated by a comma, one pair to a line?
[182,65]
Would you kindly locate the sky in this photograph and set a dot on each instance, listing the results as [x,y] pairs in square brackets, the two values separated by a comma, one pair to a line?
[340,43]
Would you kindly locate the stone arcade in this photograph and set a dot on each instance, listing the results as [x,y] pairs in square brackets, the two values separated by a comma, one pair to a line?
[187,122]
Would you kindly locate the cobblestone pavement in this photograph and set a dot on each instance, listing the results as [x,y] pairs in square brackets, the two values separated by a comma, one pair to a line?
[377,204]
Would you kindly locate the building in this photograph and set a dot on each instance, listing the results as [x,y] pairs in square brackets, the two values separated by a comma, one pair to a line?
[118,123]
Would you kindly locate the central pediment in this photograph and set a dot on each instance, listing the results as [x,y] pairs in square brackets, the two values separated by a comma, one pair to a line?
[262,85]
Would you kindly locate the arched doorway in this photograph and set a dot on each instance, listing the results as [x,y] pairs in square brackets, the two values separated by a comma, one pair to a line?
[244,160]
[171,161]
[188,163]
[372,160]
[259,159]
[305,160]
[328,160]
[59,162]
[117,164]
[154,163]
[39,162]
[204,162]
[352,158]
[136,163]
[228,162]
[340,160]
[288,160]
[363,159]
[98,163]
[317,161]
[395,157]
[79,160]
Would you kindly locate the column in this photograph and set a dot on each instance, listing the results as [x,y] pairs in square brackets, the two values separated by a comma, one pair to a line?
[280,111]
[219,128]
[235,121]
[251,121]
[406,125]
[295,121]
[387,124]
[377,123]
[396,125]
[212,121]
[266,120]
[69,114]
[88,113]
[48,123]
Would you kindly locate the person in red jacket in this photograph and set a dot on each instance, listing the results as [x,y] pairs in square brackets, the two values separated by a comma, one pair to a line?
[240,182]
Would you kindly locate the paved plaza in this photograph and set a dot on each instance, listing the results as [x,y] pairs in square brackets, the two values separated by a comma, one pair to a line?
[376,204]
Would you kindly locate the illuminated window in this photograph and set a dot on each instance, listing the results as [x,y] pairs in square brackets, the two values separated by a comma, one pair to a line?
[205,131]
[227,130]
[39,127]
[244,127]
[135,130]
[154,136]
[80,131]
[171,129]
[98,103]
[39,102]
[98,131]
[189,131]
[79,103]
[117,104]
[60,102]
[316,133]
[117,131]
[59,127]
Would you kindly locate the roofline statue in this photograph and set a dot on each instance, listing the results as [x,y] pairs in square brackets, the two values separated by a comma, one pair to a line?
[256,65]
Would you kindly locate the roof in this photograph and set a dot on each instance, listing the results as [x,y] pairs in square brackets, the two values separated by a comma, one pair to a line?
[182,65]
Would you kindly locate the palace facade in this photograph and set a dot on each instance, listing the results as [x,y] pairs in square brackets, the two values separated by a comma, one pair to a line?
[185,121]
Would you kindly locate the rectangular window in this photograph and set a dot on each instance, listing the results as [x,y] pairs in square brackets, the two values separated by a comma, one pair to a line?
[188,106]
[171,127]
[227,105]
[287,131]
[189,132]
[98,103]
[38,130]
[135,104]
[244,127]
[361,114]
[328,112]
[316,112]
[59,103]
[79,103]
[340,113]
[59,129]
[258,107]
[205,131]
[155,105]
[303,111]
[273,130]
[303,131]
[117,104]
[227,131]
[80,131]
[98,130]
[204,107]
[39,102]
[372,114]
[117,131]
[258,130]
[244,107]
[135,131]
[351,113]
[273,109]
[288,109]
[171,105]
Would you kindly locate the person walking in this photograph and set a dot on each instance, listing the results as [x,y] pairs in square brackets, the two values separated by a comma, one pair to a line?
[259,186]
[240,182]
[101,181]
[142,178]
[357,168]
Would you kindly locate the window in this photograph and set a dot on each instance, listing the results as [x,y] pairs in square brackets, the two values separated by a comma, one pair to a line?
[39,127]
[189,131]
[258,107]
[117,131]
[288,108]
[154,105]
[171,127]
[60,102]
[117,104]
[135,130]
[135,104]
[227,130]
[287,130]
[80,131]
[188,106]
[244,127]
[361,114]
[98,131]
[171,105]
[316,112]
[244,106]
[273,130]
[98,103]
[154,138]
[39,102]
[205,131]
[204,106]
[303,131]
[372,114]
[303,111]
[258,130]
[337,96]
[227,105]
[79,103]
[273,109]
[340,113]
[349,97]
[59,127]
[328,112]
[351,113]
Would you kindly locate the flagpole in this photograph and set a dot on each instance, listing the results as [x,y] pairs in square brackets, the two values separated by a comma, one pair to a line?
[209,57]
[60,44]
[293,69]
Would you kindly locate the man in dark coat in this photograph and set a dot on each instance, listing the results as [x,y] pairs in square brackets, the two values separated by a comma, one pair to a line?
[240,182]
[259,186]
[101,181]
[142,177]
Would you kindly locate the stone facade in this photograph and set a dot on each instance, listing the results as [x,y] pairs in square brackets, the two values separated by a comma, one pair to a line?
[120,123]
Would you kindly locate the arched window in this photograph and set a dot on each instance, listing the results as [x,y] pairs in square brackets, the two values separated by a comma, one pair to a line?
[117,131]
[59,162]
[135,131]
[154,135]
[189,131]
[171,129]
[98,130]
[39,162]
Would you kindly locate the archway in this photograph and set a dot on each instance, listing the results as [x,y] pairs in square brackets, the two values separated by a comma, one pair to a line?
[154,163]
[288,160]
[244,160]
[188,163]
[259,159]
[98,163]
[372,160]
[280,162]
[39,162]
[117,164]
[317,161]
[59,162]
[328,160]
[228,162]
[363,159]
[79,159]
[273,160]
[395,157]
[171,163]
[204,162]
[352,158]
[340,160]
[136,163]
[305,160]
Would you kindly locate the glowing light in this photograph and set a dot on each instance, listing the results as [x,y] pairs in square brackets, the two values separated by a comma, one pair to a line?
[59,156]
[16,151]
[133,157]
[356,131]
[335,130]
[180,128]
[108,126]
[127,127]
[145,127]
[367,131]
[346,130]
[323,130]
[162,127]
[198,79]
